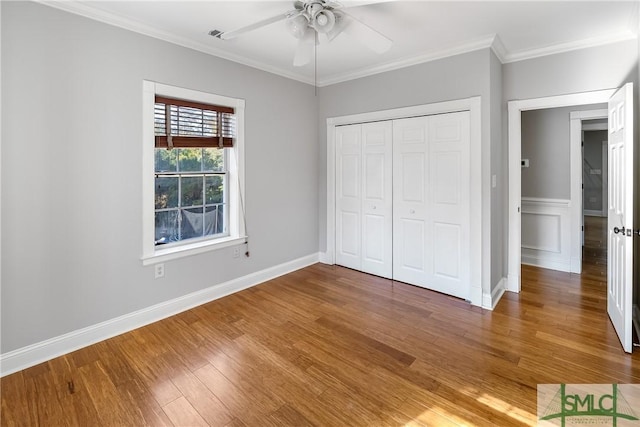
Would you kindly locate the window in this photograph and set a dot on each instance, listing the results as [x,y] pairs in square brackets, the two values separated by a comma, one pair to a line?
[190,194]
[190,181]
[192,164]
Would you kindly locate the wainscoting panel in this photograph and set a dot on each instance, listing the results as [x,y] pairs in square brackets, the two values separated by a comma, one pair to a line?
[546,233]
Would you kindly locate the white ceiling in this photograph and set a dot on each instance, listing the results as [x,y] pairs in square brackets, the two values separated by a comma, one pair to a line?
[421,30]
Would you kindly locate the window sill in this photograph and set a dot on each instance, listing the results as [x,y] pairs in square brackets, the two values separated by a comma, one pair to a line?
[167,254]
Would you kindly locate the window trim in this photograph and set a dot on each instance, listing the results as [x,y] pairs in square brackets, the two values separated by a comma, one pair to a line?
[237,235]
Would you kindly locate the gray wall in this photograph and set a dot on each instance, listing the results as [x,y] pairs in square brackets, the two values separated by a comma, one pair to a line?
[593,160]
[71,181]
[456,77]
[584,70]
[546,143]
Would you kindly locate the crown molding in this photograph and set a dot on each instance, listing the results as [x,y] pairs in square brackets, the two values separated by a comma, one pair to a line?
[568,47]
[494,42]
[481,43]
[498,48]
[91,12]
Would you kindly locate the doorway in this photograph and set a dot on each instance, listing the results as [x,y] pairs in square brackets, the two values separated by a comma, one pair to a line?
[515,203]
[620,292]
[595,196]
[552,227]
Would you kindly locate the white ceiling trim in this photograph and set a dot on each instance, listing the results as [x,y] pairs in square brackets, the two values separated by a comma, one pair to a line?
[567,47]
[499,49]
[81,8]
[478,44]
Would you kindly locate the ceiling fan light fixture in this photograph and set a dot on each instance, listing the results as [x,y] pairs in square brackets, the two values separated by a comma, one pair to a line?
[324,21]
[298,26]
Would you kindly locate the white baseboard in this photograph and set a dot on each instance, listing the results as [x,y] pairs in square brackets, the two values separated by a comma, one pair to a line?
[576,264]
[513,281]
[476,296]
[551,264]
[33,354]
[326,258]
[489,301]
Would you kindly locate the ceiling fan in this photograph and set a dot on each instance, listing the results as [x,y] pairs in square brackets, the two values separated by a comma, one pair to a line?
[310,19]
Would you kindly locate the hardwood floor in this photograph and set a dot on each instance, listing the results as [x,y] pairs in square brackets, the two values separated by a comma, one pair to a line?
[328,346]
[594,251]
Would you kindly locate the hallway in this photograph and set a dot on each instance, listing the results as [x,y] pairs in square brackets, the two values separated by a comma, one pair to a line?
[594,251]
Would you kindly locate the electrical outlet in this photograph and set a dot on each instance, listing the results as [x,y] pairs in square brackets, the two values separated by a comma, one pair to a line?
[236,252]
[159,270]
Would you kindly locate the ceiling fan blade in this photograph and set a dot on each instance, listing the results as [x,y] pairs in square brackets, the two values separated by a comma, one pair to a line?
[366,35]
[340,24]
[354,3]
[305,49]
[228,35]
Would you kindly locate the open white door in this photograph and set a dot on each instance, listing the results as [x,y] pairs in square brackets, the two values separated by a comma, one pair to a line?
[620,222]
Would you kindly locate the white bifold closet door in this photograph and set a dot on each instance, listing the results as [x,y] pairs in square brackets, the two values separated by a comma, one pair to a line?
[363,197]
[431,202]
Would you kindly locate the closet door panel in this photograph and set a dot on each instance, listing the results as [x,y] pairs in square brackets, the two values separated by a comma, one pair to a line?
[447,254]
[349,196]
[411,228]
[449,188]
[376,199]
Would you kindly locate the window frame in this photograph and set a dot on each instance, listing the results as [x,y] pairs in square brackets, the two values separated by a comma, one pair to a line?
[152,254]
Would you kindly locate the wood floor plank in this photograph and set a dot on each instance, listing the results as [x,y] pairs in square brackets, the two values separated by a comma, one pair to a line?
[182,414]
[16,405]
[210,408]
[72,391]
[241,401]
[43,396]
[288,416]
[153,369]
[111,409]
[142,401]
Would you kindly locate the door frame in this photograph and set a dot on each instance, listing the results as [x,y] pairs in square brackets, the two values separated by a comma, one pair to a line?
[605,177]
[480,238]
[515,109]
